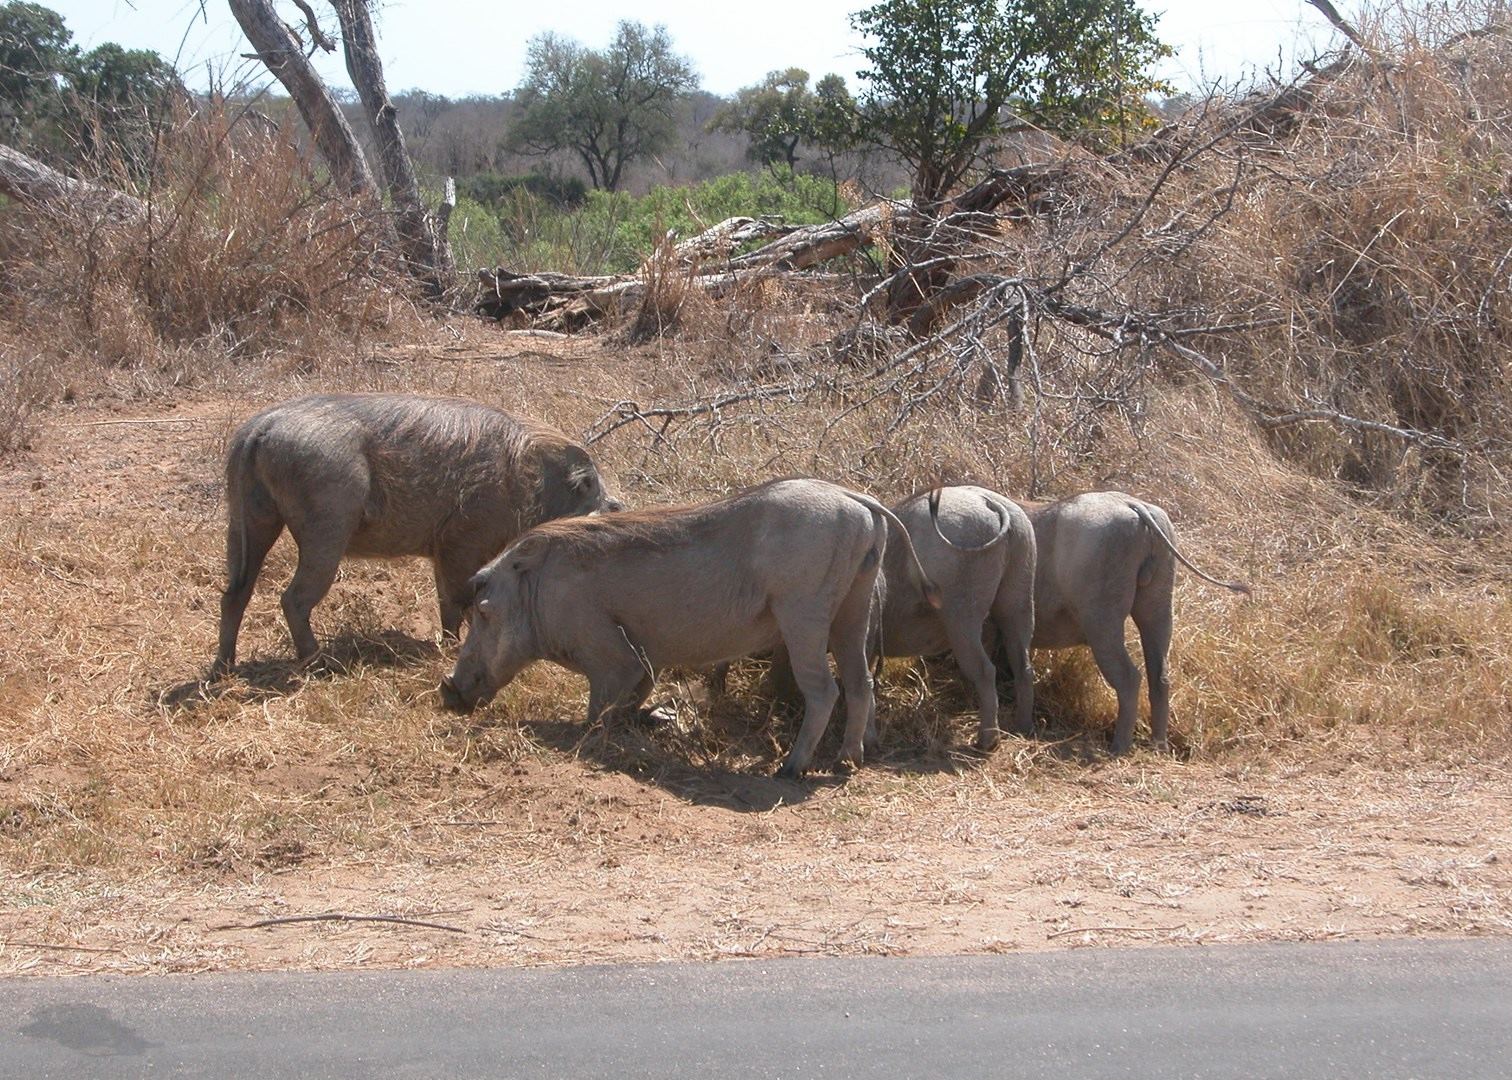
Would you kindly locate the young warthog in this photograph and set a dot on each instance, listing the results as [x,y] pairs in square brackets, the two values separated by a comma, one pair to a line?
[384,475]
[978,547]
[1105,556]
[617,598]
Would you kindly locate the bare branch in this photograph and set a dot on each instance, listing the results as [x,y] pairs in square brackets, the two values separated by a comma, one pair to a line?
[312,24]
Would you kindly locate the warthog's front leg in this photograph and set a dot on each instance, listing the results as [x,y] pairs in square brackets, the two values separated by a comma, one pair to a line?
[620,678]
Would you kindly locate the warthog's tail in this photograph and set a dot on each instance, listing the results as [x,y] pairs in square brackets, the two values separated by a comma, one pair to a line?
[1150,523]
[929,589]
[1005,523]
[238,479]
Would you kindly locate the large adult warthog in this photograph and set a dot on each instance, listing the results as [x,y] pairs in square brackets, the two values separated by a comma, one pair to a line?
[1103,557]
[618,598]
[386,475]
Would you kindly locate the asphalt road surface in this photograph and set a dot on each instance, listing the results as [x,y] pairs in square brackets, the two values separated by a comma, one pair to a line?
[1381,1010]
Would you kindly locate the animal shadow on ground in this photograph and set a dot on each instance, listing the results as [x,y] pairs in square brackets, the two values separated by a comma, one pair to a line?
[657,751]
[259,680]
[722,750]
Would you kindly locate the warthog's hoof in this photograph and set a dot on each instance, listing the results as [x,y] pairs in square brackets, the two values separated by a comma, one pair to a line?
[788,771]
[847,764]
[987,742]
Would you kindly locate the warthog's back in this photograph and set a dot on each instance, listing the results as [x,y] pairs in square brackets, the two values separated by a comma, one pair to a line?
[698,584]
[418,464]
[1091,548]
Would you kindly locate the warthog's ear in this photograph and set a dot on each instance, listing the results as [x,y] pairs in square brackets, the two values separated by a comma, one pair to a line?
[475,586]
[527,554]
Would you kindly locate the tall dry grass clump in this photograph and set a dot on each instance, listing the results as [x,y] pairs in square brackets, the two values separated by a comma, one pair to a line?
[1375,241]
[245,250]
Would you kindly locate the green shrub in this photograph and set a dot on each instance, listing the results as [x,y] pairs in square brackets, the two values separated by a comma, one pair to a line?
[612,232]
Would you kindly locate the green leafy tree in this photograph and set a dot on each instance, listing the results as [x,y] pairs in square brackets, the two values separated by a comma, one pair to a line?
[35,51]
[118,98]
[781,112]
[63,103]
[946,77]
[610,108]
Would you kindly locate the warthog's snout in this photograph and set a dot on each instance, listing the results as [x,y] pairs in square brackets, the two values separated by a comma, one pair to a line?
[612,506]
[451,697]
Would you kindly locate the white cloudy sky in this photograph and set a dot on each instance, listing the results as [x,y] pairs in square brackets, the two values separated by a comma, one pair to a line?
[458,47]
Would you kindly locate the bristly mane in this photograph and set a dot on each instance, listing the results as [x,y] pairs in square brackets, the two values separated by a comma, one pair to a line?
[653,526]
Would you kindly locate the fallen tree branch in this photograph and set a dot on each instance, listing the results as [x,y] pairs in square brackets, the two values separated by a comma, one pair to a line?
[336,916]
[36,184]
[1117,930]
[816,243]
[568,302]
[718,241]
[42,945]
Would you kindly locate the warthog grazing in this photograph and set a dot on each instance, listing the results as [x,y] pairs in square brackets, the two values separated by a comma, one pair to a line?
[1105,556]
[618,598]
[978,548]
[386,475]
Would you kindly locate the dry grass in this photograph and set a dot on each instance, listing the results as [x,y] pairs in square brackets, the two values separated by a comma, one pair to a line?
[244,253]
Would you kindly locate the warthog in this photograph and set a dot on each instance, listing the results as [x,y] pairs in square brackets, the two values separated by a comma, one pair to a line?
[1105,556]
[618,598]
[386,475]
[978,548]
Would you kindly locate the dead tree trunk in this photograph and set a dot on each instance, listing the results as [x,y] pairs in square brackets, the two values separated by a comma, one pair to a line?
[32,182]
[279,48]
[426,254]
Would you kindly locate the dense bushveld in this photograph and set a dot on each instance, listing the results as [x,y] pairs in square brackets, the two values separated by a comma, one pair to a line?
[1356,269]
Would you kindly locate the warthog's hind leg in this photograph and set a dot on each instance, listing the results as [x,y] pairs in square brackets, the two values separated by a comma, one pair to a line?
[1152,614]
[847,641]
[806,635]
[1013,615]
[1113,661]
[964,635]
[322,541]
[247,545]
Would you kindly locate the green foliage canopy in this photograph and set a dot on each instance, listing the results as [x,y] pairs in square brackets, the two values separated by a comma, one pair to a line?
[65,104]
[35,50]
[780,112]
[947,76]
[610,108]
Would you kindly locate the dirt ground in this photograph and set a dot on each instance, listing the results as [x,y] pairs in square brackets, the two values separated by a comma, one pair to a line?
[573,864]
[388,837]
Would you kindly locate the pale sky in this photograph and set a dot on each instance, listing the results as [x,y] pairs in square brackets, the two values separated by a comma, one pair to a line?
[460,47]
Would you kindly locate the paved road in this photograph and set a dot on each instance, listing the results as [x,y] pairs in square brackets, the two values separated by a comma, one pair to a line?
[1398,1009]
